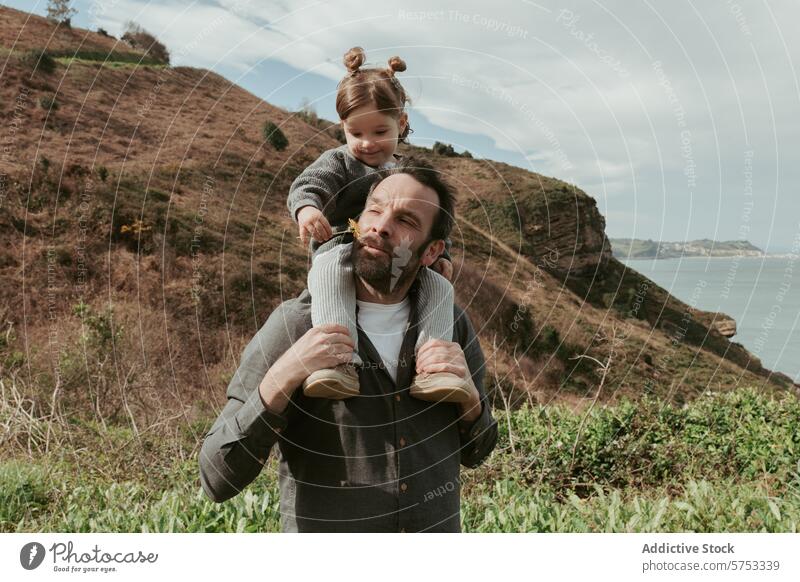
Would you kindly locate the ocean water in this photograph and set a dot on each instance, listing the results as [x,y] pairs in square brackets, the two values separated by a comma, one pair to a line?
[761,294]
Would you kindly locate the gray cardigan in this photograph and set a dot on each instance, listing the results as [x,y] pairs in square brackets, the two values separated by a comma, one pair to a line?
[336,183]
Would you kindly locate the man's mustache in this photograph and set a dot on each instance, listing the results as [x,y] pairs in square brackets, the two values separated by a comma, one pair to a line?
[374,241]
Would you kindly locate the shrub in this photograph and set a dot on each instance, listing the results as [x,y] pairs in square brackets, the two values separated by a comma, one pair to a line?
[100,331]
[338,134]
[308,115]
[48,102]
[138,38]
[39,61]
[444,149]
[102,173]
[274,135]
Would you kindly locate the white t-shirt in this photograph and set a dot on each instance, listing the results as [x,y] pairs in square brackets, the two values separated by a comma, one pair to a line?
[385,326]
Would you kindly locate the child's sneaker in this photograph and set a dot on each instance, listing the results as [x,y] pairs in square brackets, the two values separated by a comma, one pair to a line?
[440,387]
[336,383]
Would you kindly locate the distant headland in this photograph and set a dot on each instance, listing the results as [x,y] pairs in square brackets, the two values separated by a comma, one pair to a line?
[634,248]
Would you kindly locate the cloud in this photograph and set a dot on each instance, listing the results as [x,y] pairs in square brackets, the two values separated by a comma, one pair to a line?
[617,97]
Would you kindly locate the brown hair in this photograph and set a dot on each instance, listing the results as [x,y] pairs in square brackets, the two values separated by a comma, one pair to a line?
[377,87]
[424,173]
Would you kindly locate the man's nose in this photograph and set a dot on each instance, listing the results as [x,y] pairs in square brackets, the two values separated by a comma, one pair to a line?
[382,225]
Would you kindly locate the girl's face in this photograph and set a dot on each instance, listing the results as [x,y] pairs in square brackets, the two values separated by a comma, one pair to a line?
[372,135]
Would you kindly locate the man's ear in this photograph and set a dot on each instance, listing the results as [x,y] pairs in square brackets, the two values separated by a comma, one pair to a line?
[432,253]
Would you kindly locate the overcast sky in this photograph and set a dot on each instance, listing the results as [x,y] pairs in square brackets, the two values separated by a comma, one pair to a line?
[680,118]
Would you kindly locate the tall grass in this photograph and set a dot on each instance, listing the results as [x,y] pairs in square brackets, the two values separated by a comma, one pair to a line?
[726,462]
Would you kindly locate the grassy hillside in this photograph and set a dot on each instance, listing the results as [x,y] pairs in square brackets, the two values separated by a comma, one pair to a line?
[144,238]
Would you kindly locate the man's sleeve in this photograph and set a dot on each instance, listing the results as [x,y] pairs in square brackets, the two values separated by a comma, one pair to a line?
[239,442]
[479,437]
[318,183]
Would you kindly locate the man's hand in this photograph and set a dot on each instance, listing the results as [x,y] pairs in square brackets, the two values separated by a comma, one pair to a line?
[444,268]
[441,356]
[325,346]
[312,223]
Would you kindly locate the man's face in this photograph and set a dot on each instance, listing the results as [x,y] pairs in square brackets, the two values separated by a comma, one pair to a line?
[395,226]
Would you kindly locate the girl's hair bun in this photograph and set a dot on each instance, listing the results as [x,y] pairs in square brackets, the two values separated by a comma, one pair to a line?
[396,64]
[354,58]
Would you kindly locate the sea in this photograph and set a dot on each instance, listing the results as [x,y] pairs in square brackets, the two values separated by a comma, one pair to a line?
[761,293]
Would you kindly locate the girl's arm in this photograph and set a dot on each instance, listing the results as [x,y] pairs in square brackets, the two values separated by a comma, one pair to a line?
[318,184]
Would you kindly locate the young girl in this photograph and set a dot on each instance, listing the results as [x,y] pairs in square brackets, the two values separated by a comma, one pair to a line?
[332,190]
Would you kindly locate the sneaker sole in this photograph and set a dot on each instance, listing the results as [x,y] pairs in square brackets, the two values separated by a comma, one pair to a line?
[438,393]
[329,388]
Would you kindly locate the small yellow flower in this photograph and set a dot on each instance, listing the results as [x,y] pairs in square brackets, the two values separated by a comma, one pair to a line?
[354,228]
[137,228]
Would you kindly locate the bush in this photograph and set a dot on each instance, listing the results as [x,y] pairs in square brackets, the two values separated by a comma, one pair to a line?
[274,135]
[308,115]
[138,38]
[338,134]
[39,61]
[48,102]
[102,173]
[444,149]
[548,342]
[44,164]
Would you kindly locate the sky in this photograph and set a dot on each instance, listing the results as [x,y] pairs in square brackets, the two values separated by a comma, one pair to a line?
[682,119]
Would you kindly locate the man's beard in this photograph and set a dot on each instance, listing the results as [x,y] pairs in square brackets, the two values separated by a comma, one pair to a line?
[387,271]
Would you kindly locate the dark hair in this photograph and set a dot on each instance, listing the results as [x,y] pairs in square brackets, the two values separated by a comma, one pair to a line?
[426,175]
[378,87]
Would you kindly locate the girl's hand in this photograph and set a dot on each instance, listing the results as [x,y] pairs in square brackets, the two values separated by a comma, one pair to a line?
[312,223]
[444,268]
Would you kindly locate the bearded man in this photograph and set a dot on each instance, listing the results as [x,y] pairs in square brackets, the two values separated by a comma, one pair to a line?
[384,460]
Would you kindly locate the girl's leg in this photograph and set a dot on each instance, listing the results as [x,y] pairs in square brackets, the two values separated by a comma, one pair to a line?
[333,291]
[435,307]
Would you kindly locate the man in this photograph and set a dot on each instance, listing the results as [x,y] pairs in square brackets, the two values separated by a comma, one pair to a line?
[383,460]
